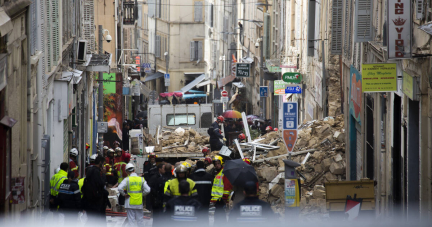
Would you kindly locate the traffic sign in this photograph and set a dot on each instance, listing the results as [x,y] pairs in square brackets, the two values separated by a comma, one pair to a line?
[224,94]
[263,91]
[293,89]
[102,127]
[224,99]
[290,118]
[167,79]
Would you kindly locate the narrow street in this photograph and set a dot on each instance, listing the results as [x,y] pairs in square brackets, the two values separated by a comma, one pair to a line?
[215,112]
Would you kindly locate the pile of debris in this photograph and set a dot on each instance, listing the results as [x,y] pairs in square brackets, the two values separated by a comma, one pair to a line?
[320,149]
[179,140]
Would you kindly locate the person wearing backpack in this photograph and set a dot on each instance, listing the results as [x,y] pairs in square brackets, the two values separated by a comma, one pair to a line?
[95,196]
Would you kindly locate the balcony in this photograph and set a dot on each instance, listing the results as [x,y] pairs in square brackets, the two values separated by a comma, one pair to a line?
[130,12]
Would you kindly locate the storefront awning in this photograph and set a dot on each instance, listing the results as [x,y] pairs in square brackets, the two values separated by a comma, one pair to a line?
[191,96]
[153,76]
[193,73]
[193,83]
[5,23]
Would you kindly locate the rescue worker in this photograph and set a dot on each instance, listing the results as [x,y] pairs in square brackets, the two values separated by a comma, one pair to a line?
[55,182]
[150,167]
[105,151]
[184,210]
[269,129]
[205,151]
[95,196]
[215,135]
[242,138]
[109,167]
[189,167]
[73,166]
[122,174]
[209,166]
[276,129]
[171,189]
[203,183]
[238,190]
[135,188]
[251,210]
[116,144]
[118,155]
[221,191]
[155,204]
[69,198]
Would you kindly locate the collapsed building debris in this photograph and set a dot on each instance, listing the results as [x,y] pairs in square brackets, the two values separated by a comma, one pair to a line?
[323,143]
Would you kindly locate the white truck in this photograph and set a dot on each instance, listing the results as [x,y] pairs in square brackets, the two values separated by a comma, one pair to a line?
[196,116]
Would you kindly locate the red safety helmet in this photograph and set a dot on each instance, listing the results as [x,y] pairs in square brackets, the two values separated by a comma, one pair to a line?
[205,150]
[126,157]
[152,155]
[247,160]
[87,146]
[208,160]
[242,136]
[269,128]
[276,129]
[220,119]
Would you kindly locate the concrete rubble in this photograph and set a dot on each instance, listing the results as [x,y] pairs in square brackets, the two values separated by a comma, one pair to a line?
[324,140]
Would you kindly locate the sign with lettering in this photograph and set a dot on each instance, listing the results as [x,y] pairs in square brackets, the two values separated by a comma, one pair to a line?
[293,89]
[291,77]
[243,69]
[379,77]
[399,29]
[410,87]
[290,118]
[279,87]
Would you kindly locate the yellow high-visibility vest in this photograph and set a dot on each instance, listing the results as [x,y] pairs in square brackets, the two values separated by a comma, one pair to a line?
[119,172]
[56,181]
[172,188]
[218,187]
[80,184]
[135,190]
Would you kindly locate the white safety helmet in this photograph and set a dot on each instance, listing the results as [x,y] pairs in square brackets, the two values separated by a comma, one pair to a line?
[105,147]
[130,167]
[118,149]
[110,150]
[56,170]
[93,157]
[74,152]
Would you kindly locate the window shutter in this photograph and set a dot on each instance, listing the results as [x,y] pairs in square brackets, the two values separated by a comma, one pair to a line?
[363,20]
[336,41]
[225,28]
[420,9]
[211,15]
[89,28]
[214,55]
[33,27]
[207,11]
[317,28]
[151,8]
[200,50]
[192,50]
[266,37]
[198,11]
[158,46]
[55,32]
[311,29]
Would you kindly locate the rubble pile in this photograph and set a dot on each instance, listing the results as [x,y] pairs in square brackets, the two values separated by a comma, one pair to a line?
[320,149]
[181,140]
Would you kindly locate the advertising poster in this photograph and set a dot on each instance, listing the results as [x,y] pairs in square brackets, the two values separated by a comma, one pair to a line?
[292,196]
[355,93]
[113,107]
[279,87]
[17,189]
[379,77]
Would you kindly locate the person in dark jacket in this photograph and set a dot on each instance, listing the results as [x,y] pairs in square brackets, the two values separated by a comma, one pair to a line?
[252,211]
[184,210]
[69,198]
[157,193]
[95,197]
[152,184]
[215,135]
[125,136]
[204,183]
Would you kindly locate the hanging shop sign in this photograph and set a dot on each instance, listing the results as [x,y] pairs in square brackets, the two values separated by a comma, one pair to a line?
[379,77]
[279,87]
[243,69]
[399,29]
[293,89]
[147,67]
[355,93]
[410,86]
[292,77]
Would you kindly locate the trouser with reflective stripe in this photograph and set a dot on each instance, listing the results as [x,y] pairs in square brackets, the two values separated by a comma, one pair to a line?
[135,217]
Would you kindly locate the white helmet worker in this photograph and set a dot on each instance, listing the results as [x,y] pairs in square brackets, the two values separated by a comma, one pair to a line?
[130,167]
[56,170]
[73,152]
[105,147]
[118,149]
[110,150]
[93,157]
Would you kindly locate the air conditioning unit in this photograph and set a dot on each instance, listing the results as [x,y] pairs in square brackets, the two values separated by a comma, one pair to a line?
[82,50]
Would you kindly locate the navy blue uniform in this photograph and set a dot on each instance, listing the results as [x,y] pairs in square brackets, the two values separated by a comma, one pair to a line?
[215,137]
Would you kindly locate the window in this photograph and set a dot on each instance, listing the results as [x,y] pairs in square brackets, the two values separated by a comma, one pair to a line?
[180,119]
[209,14]
[196,50]
[198,17]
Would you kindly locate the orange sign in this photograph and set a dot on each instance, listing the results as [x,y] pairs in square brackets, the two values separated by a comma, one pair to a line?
[290,138]
[138,62]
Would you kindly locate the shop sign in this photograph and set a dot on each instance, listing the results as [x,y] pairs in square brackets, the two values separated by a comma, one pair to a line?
[243,70]
[293,89]
[399,29]
[410,86]
[355,93]
[279,87]
[292,77]
[379,77]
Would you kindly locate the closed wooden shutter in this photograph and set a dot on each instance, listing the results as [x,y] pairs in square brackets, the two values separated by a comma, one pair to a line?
[55,32]
[198,12]
[200,50]
[359,153]
[336,40]
[363,21]
[88,23]
[192,50]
